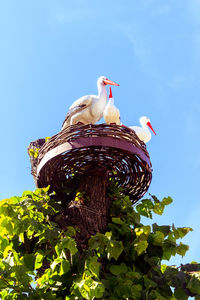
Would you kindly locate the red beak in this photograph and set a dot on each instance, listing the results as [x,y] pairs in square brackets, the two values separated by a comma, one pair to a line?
[149,124]
[110,95]
[107,81]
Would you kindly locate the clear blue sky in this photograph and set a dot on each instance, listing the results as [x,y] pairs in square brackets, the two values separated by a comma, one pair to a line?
[52,52]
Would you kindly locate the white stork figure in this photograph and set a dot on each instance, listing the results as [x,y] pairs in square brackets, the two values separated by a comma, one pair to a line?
[89,109]
[143,132]
[111,113]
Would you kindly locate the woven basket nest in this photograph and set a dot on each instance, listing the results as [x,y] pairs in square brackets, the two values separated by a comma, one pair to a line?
[105,149]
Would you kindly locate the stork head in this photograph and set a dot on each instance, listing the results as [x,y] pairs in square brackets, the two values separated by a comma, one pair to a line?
[144,121]
[102,80]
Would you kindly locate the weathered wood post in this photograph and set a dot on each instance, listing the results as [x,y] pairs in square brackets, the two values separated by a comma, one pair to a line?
[79,161]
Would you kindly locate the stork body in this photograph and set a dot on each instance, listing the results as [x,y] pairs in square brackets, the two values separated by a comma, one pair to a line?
[143,132]
[111,113]
[89,109]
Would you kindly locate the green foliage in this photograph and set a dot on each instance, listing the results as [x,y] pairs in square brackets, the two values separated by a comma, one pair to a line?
[40,261]
[34,152]
[47,138]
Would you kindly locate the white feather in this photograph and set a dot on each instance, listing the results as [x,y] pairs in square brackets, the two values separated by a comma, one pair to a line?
[143,132]
[111,113]
[88,109]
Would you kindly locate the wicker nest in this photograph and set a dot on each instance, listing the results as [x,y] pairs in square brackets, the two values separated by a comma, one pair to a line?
[105,149]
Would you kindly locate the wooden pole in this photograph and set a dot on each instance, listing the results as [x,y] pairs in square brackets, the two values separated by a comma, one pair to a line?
[89,210]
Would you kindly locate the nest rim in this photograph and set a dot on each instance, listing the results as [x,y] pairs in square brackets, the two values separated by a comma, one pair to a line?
[105,145]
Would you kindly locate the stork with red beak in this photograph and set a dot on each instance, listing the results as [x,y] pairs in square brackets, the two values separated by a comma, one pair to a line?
[89,109]
[143,132]
[111,113]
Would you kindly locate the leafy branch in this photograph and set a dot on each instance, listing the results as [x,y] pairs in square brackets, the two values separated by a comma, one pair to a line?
[39,260]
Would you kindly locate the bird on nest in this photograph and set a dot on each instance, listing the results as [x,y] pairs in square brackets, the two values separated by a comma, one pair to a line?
[89,109]
[143,132]
[111,113]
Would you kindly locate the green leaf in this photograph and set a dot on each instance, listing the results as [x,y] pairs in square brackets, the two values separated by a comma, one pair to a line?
[169,249]
[47,138]
[31,152]
[3,243]
[38,260]
[143,231]
[64,267]
[114,249]
[180,294]
[20,297]
[145,208]
[158,238]
[93,265]
[71,231]
[149,283]
[123,288]
[182,249]
[158,208]
[21,237]
[108,235]
[7,250]
[70,244]
[98,241]
[7,224]
[56,262]
[117,221]
[29,261]
[134,216]
[91,289]
[58,249]
[9,260]
[118,269]
[163,268]
[21,275]
[165,229]
[167,201]
[134,276]
[182,231]
[157,295]
[140,246]
[194,285]
[136,290]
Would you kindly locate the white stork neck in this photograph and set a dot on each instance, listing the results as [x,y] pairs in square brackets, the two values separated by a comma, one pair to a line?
[101,91]
[111,101]
[144,125]
[99,102]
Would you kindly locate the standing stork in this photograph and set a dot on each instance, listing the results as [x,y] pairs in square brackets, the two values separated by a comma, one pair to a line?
[89,109]
[111,113]
[143,132]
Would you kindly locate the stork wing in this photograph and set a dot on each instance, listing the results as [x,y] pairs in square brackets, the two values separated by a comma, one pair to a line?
[77,106]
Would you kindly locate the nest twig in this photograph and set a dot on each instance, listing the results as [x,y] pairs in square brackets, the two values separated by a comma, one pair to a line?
[79,149]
